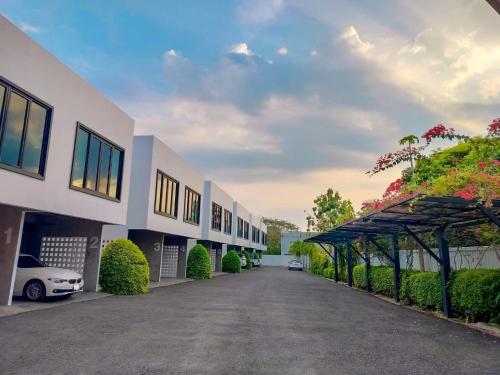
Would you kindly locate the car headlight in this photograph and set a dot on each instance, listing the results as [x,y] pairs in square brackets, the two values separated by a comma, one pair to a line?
[56,280]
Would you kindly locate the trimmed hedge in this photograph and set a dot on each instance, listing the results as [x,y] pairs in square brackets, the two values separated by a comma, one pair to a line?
[249,261]
[359,276]
[198,263]
[475,294]
[124,269]
[328,272]
[425,290]
[231,262]
[382,280]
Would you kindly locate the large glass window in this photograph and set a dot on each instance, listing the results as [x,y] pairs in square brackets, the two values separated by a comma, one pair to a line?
[216,217]
[228,221]
[24,127]
[167,191]
[246,230]
[97,164]
[192,201]
[240,227]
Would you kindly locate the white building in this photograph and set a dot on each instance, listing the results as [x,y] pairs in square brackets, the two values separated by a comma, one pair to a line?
[65,159]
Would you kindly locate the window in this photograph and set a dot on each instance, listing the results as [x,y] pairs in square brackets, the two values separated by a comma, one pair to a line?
[192,202]
[264,238]
[97,165]
[228,222]
[27,261]
[246,229]
[257,238]
[166,195]
[216,217]
[24,131]
[240,227]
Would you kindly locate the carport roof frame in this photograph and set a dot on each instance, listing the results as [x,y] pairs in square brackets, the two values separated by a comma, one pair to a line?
[419,214]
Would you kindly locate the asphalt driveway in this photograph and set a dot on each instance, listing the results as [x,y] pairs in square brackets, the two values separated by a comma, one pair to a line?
[268,321]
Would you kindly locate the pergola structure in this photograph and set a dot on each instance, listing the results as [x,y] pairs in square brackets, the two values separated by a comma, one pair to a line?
[411,217]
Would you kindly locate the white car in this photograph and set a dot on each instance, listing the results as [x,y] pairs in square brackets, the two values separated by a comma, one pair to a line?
[295,265]
[256,262]
[35,281]
[243,261]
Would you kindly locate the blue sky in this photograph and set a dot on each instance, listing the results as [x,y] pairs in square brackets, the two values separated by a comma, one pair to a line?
[279,99]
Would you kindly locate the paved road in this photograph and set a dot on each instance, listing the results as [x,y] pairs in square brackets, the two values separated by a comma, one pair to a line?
[268,321]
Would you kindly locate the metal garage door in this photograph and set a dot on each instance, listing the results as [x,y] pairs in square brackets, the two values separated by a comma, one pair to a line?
[213,258]
[64,252]
[169,259]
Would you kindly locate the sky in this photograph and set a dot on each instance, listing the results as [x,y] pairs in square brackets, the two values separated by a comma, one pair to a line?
[278,100]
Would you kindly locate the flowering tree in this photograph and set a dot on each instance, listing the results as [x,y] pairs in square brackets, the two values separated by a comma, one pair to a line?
[494,128]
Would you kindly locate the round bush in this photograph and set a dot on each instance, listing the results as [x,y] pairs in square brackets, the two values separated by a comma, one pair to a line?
[198,263]
[231,262]
[249,261]
[124,269]
[425,290]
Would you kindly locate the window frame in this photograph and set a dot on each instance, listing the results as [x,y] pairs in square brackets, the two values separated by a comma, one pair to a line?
[44,153]
[229,222]
[239,233]
[246,230]
[113,145]
[219,208]
[186,190]
[163,174]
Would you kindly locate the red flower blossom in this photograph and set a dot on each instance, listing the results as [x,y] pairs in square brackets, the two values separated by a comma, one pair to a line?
[496,162]
[467,192]
[494,128]
[482,165]
[440,131]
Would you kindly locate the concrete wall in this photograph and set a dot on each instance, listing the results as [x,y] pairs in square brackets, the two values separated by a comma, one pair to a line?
[213,193]
[28,65]
[150,154]
[276,260]
[287,238]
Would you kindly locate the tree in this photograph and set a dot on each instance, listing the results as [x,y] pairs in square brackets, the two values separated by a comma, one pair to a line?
[330,210]
[410,140]
[274,229]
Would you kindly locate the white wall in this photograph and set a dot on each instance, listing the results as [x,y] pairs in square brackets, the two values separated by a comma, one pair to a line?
[29,66]
[276,260]
[150,154]
[287,238]
[213,193]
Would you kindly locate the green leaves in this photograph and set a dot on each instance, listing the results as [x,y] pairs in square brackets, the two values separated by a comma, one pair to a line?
[198,263]
[330,210]
[231,262]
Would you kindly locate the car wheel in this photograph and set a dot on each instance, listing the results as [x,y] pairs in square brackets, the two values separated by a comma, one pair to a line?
[34,290]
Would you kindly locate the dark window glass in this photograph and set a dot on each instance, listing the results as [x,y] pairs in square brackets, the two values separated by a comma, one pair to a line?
[115,177]
[192,206]
[216,217]
[24,126]
[97,164]
[13,130]
[80,158]
[104,168]
[25,261]
[92,163]
[240,227]
[228,221]
[34,138]
[246,228]
[167,190]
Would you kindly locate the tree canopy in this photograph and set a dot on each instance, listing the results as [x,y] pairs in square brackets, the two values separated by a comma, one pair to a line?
[274,229]
[329,211]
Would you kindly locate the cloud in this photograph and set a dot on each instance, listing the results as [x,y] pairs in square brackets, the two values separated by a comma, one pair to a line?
[282,51]
[350,36]
[172,53]
[314,53]
[27,28]
[241,49]
[259,11]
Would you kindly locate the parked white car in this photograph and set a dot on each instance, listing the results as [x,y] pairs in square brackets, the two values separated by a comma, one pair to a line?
[35,281]
[243,261]
[256,262]
[295,265]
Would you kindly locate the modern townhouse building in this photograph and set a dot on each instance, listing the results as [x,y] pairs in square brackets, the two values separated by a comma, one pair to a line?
[65,159]
[165,207]
[217,223]
[241,228]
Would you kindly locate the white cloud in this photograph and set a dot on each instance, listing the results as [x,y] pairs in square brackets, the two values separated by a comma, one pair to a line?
[282,51]
[27,28]
[259,11]
[350,36]
[172,53]
[241,49]
[490,88]
[314,53]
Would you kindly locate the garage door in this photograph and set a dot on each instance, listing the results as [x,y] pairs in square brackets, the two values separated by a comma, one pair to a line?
[213,259]
[64,252]
[169,259]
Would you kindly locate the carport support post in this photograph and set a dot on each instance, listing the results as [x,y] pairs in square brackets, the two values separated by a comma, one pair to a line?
[336,263]
[367,263]
[349,263]
[444,270]
[397,266]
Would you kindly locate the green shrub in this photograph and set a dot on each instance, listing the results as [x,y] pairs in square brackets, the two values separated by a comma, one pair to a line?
[382,280]
[425,290]
[231,262]
[198,263]
[249,260]
[475,294]
[359,276]
[328,272]
[405,290]
[319,261]
[124,269]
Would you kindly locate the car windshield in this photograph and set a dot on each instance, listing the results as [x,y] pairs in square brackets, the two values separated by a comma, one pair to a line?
[27,261]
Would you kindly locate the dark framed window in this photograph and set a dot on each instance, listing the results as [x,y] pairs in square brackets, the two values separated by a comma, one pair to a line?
[24,131]
[216,217]
[166,195]
[97,165]
[228,221]
[240,227]
[192,203]
[264,238]
[246,230]
[257,238]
